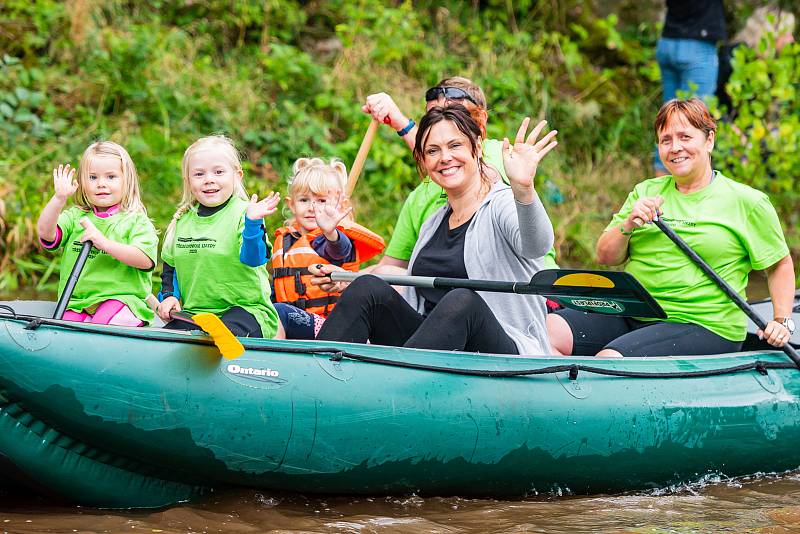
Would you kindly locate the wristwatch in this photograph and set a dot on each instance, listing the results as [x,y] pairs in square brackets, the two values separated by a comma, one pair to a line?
[788,322]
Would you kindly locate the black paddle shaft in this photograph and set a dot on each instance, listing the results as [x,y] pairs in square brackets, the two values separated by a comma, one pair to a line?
[723,285]
[72,281]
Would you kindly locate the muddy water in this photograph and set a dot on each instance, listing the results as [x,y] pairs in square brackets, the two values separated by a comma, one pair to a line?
[767,503]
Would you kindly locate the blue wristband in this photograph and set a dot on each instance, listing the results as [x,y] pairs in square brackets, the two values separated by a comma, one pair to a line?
[407,129]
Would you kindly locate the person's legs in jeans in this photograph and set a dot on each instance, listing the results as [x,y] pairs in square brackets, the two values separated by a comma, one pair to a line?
[670,74]
[698,64]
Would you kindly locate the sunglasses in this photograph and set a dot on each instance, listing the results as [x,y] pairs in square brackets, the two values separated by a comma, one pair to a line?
[449,93]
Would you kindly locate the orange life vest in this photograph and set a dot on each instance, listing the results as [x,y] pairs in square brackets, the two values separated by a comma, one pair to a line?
[290,267]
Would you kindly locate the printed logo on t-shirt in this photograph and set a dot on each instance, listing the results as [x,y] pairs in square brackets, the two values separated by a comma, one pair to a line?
[678,222]
[195,243]
[77,246]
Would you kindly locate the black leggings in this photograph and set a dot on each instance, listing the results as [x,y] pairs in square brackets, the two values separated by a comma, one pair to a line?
[240,321]
[369,309]
[592,332]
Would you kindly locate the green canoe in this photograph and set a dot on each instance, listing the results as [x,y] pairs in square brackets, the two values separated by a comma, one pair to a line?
[125,417]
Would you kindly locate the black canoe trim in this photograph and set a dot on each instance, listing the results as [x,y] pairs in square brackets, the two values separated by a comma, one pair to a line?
[337,354]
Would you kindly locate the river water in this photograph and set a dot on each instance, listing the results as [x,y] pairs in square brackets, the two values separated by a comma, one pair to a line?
[761,503]
[767,504]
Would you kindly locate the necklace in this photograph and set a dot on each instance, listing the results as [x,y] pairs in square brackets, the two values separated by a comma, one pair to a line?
[457,220]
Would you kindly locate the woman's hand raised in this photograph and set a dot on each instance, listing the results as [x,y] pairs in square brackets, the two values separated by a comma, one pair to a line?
[521,159]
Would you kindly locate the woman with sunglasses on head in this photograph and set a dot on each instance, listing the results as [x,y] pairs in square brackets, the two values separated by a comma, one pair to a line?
[487,230]
[428,197]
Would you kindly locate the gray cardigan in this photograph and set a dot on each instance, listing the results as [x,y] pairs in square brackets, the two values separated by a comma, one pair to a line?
[505,240]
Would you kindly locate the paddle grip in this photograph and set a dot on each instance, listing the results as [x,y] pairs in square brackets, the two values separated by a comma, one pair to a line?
[723,285]
[183,316]
[72,281]
[361,157]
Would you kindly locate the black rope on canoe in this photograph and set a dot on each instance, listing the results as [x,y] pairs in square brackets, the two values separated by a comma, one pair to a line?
[337,354]
[573,369]
[10,309]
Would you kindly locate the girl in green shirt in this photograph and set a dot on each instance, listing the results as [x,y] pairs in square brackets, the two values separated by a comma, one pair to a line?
[215,251]
[108,212]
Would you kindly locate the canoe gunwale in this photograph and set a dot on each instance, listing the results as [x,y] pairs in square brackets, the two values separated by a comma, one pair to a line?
[337,354]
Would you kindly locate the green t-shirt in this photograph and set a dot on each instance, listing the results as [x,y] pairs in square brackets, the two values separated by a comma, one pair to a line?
[428,197]
[205,254]
[733,227]
[104,277]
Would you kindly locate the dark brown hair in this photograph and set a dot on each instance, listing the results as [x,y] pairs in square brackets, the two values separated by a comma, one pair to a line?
[694,110]
[461,118]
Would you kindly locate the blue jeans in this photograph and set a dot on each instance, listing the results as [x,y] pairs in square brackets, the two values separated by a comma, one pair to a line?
[686,65]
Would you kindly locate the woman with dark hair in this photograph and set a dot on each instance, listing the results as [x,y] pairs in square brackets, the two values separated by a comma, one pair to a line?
[428,197]
[733,227]
[487,230]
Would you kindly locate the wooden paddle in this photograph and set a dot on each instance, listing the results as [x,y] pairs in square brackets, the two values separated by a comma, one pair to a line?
[361,156]
[722,284]
[608,292]
[223,338]
[72,281]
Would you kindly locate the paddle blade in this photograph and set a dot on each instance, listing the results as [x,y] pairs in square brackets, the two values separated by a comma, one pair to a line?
[608,292]
[226,342]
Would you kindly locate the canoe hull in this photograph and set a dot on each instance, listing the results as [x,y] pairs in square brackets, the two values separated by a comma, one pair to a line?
[141,418]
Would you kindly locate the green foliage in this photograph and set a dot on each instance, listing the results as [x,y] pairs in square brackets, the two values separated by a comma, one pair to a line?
[286,79]
[759,146]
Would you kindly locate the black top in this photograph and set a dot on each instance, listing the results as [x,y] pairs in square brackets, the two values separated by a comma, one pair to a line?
[442,255]
[703,20]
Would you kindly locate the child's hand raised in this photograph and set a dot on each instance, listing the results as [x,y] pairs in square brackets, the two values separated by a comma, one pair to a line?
[64,182]
[258,209]
[329,215]
[91,233]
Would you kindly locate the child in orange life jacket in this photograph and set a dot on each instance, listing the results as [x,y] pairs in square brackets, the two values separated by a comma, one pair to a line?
[317,232]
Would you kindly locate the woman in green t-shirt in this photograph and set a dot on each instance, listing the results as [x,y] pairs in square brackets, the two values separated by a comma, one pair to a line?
[732,226]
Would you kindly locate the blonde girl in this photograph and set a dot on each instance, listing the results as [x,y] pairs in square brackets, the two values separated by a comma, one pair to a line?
[215,250]
[108,211]
[317,233]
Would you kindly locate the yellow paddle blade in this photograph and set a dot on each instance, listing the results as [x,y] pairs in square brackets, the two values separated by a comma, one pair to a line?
[584,280]
[226,342]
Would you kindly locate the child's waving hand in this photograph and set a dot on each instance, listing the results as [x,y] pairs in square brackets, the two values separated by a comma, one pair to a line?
[258,209]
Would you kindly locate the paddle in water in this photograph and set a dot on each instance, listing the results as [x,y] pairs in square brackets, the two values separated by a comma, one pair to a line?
[223,338]
[722,284]
[608,292]
[72,281]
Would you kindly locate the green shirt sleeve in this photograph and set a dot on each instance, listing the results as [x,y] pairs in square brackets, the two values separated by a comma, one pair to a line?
[67,221]
[763,237]
[144,237]
[167,252]
[624,211]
